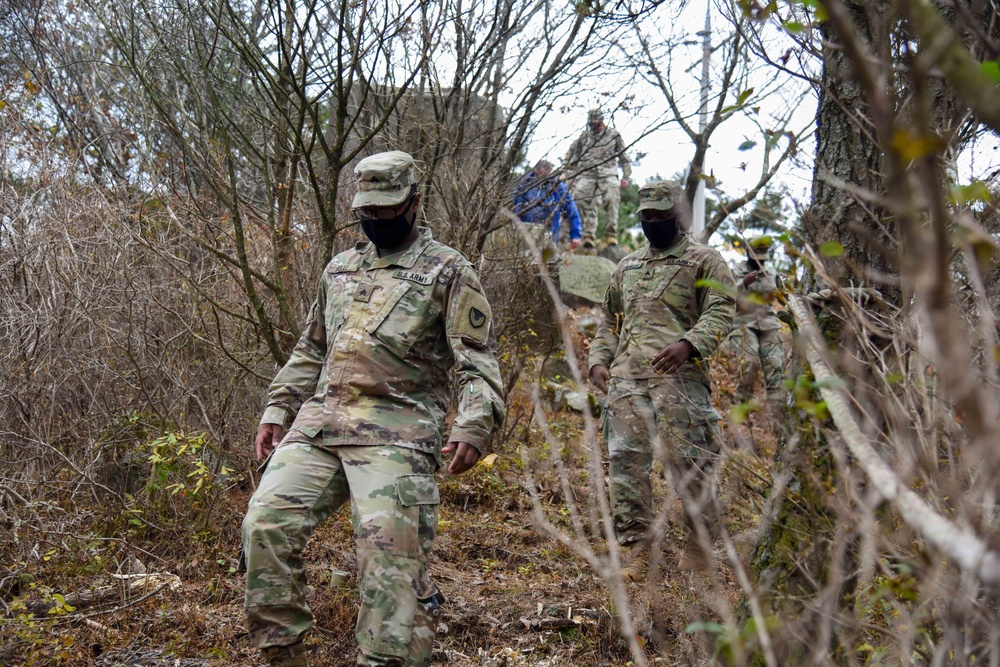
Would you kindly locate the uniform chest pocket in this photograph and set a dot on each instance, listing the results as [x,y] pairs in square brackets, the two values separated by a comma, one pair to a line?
[403,317]
[674,286]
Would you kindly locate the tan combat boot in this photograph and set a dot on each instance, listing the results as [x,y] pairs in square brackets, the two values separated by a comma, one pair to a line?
[287,656]
[635,567]
[611,240]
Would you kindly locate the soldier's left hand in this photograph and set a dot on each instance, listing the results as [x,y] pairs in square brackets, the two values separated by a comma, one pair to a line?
[673,356]
[466,456]
[624,183]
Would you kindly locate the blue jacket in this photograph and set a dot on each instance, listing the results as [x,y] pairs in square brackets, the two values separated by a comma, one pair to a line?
[540,201]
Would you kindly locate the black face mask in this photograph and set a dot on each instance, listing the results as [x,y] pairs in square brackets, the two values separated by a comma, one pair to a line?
[754,264]
[661,233]
[389,233]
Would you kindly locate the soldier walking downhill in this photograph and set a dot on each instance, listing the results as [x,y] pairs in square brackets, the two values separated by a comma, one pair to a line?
[366,390]
[756,335]
[592,159]
[665,311]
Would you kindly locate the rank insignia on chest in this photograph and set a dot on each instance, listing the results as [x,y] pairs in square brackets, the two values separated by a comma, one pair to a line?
[477,318]
[364,292]
[413,276]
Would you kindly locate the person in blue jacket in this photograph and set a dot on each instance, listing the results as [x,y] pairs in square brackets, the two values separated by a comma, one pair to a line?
[540,199]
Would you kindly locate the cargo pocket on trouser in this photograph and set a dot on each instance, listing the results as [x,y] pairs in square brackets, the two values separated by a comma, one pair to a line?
[628,418]
[395,588]
[690,423]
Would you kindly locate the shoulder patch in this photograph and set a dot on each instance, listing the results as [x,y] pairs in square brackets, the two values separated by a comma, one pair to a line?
[472,316]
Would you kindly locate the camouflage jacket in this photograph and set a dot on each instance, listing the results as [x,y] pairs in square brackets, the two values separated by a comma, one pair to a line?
[752,309]
[372,364]
[595,154]
[653,301]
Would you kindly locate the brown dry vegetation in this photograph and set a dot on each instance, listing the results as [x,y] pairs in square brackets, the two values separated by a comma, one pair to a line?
[515,596]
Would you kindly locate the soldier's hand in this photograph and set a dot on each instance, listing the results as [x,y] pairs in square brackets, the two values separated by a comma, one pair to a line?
[574,244]
[672,357]
[750,277]
[624,183]
[268,437]
[600,377]
[465,457]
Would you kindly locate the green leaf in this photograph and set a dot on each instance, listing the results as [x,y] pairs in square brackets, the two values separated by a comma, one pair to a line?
[706,626]
[793,27]
[911,146]
[991,68]
[831,249]
[740,411]
[977,191]
[716,285]
[833,382]
[746,145]
[741,100]
[894,378]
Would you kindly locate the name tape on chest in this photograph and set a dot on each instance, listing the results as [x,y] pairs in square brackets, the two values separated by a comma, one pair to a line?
[413,276]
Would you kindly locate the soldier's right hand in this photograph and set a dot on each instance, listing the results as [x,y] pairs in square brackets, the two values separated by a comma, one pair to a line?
[600,377]
[750,277]
[268,437]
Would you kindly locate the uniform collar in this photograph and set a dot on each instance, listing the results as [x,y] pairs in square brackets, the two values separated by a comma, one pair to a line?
[406,258]
[676,250]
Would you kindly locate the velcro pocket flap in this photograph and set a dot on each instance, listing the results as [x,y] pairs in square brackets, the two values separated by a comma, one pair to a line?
[373,322]
[669,276]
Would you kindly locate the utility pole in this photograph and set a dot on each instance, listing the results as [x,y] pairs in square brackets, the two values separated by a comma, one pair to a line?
[698,207]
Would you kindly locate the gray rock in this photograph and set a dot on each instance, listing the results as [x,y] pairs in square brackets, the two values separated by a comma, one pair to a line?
[576,400]
[586,277]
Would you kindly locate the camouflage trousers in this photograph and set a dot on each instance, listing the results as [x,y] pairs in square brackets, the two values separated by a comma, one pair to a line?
[394,506]
[756,349]
[590,190]
[670,420]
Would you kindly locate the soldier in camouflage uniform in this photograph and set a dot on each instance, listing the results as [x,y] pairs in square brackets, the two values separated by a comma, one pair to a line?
[665,311]
[591,159]
[366,390]
[756,335]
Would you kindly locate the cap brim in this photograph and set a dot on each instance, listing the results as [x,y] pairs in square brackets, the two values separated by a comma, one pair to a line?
[380,198]
[655,206]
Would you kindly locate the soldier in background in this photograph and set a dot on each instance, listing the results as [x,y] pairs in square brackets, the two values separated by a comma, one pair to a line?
[665,311]
[592,160]
[756,335]
[366,391]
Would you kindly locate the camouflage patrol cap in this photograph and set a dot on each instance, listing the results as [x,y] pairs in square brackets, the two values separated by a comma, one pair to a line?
[384,179]
[658,196]
[595,116]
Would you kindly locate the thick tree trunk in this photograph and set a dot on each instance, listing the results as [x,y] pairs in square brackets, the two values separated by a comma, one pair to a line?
[795,559]
[849,172]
